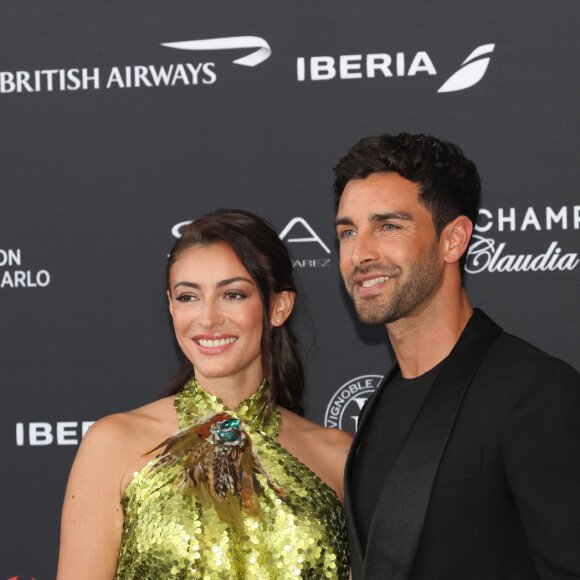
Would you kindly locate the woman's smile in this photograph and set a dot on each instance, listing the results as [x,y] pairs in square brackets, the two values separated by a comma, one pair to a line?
[214,343]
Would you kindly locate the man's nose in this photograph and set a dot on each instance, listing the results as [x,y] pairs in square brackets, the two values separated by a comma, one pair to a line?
[364,249]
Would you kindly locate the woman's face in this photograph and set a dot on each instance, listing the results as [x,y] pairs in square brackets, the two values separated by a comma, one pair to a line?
[217,313]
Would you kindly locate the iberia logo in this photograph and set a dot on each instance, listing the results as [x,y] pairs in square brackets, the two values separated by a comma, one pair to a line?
[378,65]
[472,70]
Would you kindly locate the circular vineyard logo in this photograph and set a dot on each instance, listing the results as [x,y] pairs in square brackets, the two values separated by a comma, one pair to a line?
[348,400]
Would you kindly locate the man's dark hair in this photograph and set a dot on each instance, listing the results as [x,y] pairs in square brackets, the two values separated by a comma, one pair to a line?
[449,183]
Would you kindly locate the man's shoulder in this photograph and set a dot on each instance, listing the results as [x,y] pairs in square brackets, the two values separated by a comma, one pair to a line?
[520,362]
[519,350]
[520,347]
[523,351]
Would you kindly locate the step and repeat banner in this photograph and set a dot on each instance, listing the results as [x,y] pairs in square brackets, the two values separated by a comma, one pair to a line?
[121,121]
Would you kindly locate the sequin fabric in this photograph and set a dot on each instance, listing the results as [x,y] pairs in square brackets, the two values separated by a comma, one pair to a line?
[168,534]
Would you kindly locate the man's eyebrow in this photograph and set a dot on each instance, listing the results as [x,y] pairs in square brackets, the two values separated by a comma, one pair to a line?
[221,283]
[345,221]
[391,215]
[376,217]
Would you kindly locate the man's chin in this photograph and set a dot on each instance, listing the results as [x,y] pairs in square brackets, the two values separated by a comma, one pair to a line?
[371,316]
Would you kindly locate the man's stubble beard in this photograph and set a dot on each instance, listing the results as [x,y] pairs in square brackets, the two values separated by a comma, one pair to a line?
[409,290]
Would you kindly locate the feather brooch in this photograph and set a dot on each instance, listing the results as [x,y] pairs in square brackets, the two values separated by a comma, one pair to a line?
[219,466]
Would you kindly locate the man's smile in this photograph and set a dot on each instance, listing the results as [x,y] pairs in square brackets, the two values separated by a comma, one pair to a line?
[374,281]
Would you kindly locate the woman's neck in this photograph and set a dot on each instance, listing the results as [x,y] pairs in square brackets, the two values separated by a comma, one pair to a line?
[232,390]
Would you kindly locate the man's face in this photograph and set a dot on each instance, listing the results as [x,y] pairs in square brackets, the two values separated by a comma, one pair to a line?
[389,254]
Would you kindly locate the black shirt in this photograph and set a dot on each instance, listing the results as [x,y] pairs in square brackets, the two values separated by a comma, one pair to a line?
[385,430]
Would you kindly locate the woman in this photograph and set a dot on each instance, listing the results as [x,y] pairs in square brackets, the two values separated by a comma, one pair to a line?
[246,488]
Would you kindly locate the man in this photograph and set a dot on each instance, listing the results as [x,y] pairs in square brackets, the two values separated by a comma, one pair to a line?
[466,464]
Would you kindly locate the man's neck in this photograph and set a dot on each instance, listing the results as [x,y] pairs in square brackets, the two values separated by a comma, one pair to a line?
[425,338]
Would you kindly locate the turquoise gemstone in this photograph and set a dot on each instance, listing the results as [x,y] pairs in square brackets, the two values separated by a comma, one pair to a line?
[226,430]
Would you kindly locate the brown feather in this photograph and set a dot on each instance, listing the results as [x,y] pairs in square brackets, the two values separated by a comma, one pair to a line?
[218,467]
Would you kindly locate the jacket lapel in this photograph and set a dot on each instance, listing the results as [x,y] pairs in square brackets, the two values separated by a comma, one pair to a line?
[355,546]
[400,513]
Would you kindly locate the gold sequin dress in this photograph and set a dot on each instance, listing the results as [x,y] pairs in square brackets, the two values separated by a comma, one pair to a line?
[168,534]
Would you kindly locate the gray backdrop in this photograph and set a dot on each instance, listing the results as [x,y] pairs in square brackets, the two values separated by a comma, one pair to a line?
[109,139]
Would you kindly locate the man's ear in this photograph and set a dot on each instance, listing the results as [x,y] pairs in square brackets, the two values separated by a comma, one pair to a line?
[170,303]
[455,238]
[281,307]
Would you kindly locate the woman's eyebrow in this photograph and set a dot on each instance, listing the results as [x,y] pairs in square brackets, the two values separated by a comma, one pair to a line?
[187,284]
[234,279]
[219,284]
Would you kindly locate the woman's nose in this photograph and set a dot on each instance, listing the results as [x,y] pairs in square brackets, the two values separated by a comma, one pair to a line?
[211,314]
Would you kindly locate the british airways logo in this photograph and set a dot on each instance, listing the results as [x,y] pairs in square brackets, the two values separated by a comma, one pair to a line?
[261,53]
[140,76]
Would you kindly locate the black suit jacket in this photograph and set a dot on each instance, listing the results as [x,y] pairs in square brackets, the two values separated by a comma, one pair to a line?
[486,485]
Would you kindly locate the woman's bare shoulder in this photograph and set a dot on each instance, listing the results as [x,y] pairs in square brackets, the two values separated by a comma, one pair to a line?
[123,431]
[294,425]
